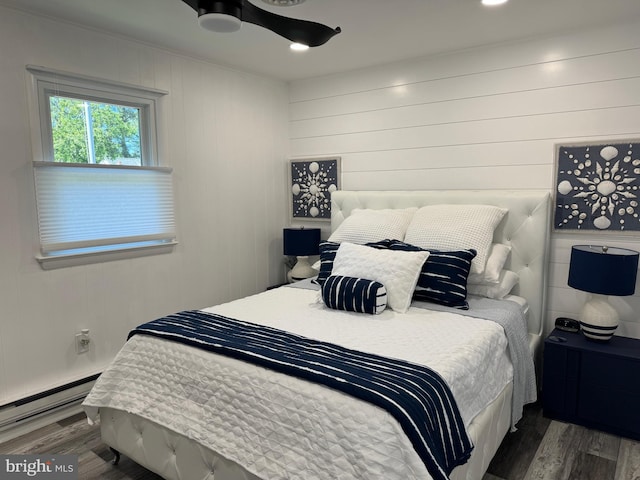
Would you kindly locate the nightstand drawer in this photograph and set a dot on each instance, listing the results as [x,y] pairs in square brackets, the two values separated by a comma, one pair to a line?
[611,373]
[610,410]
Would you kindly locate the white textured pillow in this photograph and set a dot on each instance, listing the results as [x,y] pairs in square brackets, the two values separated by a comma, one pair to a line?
[495,263]
[456,227]
[508,280]
[365,225]
[397,270]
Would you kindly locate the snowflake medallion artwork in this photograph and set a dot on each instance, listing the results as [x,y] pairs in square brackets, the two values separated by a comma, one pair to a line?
[597,187]
[311,183]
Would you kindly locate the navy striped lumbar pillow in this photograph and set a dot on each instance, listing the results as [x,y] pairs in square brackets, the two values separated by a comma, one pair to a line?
[354,294]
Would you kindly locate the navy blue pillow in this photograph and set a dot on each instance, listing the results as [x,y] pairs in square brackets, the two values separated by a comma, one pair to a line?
[354,294]
[328,252]
[443,278]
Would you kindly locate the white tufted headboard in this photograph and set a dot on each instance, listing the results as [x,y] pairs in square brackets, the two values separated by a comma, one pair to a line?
[525,228]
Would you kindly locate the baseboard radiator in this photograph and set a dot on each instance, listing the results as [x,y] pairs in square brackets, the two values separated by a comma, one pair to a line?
[34,406]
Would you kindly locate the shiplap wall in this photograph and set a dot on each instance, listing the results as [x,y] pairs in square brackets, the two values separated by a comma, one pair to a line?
[486,118]
[225,135]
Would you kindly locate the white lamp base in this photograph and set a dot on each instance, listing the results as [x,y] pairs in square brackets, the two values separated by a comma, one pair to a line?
[301,270]
[598,318]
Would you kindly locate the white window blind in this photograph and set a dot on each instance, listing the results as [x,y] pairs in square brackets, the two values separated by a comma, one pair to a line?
[91,208]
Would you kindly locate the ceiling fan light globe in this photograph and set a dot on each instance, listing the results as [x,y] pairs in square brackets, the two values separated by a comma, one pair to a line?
[219,22]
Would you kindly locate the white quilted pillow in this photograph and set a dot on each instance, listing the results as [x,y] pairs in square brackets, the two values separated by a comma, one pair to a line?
[456,227]
[508,280]
[397,270]
[495,263]
[365,225]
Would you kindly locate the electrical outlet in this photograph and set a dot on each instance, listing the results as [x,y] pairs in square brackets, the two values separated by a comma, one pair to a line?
[82,341]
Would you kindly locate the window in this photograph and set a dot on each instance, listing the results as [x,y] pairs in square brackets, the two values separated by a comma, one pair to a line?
[83,131]
[100,191]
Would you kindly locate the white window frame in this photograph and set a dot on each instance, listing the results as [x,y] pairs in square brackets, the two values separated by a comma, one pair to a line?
[47,82]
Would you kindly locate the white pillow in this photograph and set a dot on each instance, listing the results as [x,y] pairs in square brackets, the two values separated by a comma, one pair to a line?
[508,280]
[456,227]
[365,225]
[495,263]
[397,270]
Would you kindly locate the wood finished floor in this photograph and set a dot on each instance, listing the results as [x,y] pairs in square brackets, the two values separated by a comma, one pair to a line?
[541,449]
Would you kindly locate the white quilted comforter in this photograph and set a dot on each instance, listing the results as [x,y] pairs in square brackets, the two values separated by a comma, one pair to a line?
[280,427]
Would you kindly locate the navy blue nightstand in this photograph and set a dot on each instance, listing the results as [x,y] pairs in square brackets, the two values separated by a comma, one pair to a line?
[593,384]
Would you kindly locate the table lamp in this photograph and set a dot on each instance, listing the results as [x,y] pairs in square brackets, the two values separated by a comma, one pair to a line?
[602,271]
[301,243]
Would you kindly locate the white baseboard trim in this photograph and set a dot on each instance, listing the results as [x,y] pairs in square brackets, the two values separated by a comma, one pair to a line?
[27,426]
[22,417]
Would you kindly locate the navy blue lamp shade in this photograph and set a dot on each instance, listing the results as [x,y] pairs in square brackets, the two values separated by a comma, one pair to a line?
[602,270]
[301,242]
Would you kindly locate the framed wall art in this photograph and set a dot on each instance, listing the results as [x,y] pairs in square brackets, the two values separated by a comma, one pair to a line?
[597,187]
[311,182]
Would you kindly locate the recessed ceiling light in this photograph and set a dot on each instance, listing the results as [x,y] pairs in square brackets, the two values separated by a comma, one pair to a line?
[493,2]
[299,47]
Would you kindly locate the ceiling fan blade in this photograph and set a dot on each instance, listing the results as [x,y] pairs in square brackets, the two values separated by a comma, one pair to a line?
[192,3]
[300,31]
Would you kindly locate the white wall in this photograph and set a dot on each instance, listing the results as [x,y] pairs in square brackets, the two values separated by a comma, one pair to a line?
[482,119]
[487,118]
[225,135]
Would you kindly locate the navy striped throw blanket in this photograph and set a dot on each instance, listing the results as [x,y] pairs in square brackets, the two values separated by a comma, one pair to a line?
[416,396]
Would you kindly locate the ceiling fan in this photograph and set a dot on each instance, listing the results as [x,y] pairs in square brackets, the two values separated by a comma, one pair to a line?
[228,15]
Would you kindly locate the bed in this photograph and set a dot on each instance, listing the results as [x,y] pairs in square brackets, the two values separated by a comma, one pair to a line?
[308,430]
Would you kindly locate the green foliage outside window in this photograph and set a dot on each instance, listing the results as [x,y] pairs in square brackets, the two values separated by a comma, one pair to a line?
[90,132]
